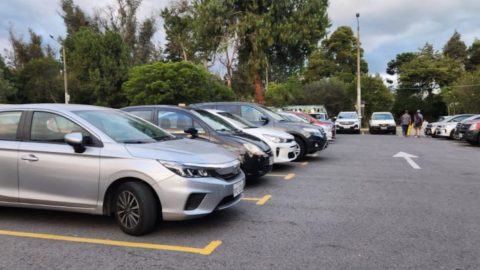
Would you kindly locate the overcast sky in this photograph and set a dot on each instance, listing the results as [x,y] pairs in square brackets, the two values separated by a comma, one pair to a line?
[388,27]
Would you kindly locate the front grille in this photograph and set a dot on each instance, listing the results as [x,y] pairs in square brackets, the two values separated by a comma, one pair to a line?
[226,200]
[229,176]
[347,123]
[459,125]
[194,201]
[291,155]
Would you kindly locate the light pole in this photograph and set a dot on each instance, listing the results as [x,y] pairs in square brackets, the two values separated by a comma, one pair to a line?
[67,97]
[359,89]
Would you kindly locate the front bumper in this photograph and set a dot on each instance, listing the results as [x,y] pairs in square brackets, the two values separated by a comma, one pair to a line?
[175,191]
[283,152]
[384,129]
[316,143]
[342,127]
[430,131]
[257,166]
[441,132]
[471,135]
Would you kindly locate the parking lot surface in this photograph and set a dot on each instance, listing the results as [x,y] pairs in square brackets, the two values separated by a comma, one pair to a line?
[352,206]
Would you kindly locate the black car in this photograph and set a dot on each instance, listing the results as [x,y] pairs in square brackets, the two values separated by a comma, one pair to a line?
[464,125]
[309,138]
[255,156]
[472,135]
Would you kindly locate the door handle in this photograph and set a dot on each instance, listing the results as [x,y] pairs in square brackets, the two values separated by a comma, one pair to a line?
[29,158]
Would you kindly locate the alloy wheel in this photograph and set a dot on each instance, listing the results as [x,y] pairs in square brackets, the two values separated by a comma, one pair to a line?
[128,210]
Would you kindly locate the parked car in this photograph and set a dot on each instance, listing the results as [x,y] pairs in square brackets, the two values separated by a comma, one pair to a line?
[255,155]
[347,121]
[327,127]
[382,122]
[472,136]
[446,128]
[321,116]
[309,138]
[282,144]
[464,125]
[431,128]
[101,161]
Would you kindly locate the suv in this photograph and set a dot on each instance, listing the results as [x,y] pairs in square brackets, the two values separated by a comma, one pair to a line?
[464,125]
[446,128]
[472,136]
[255,155]
[382,122]
[347,121]
[101,161]
[309,138]
[326,126]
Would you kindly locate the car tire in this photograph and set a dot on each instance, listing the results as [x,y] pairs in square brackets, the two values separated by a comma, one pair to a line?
[450,137]
[302,149]
[456,136]
[135,208]
[370,130]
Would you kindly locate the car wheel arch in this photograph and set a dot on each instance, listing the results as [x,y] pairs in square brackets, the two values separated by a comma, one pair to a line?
[110,192]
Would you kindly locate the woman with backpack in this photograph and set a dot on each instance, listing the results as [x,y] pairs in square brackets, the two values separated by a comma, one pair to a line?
[417,121]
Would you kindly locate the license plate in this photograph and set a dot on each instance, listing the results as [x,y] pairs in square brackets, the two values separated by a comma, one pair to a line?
[460,135]
[238,188]
[383,128]
[270,161]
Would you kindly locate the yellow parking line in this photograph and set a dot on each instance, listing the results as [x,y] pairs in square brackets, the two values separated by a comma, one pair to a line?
[301,163]
[260,201]
[285,176]
[276,175]
[203,251]
[304,163]
[289,176]
[314,155]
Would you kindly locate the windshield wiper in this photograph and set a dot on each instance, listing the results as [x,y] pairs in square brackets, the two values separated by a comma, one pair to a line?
[225,130]
[135,142]
[166,138]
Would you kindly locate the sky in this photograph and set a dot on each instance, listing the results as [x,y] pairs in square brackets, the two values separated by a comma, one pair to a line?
[387,27]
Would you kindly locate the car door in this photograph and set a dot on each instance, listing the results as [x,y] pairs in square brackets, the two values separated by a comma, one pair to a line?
[50,172]
[9,143]
[176,122]
[252,115]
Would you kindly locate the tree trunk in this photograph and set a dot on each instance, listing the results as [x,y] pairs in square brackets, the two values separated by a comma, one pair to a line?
[229,77]
[258,86]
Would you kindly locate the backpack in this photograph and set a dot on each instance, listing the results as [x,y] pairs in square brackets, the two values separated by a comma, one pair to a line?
[418,121]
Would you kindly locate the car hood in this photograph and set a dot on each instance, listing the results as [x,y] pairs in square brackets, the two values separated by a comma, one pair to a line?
[382,122]
[242,137]
[346,120]
[259,132]
[182,151]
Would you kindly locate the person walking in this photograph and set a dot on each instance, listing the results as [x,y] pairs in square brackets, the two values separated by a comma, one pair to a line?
[418,121]
[405,121]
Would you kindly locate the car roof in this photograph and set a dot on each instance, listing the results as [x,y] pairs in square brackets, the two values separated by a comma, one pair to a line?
[227,103]
[54,106]
[158,107]
[382,113]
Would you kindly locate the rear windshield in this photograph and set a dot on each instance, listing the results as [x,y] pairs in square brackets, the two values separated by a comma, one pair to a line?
[382,116]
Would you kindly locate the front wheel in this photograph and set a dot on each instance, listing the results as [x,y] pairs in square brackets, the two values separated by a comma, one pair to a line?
[135,208]
[452,134]
[301,150]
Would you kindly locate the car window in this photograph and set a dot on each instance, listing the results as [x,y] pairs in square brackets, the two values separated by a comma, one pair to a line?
[237,120]
[227,108]
[145,114]
[382,116]
[52,128]
[251,114]
[460,118]
[347,116]
[214,121]
[9,125]
[176,123]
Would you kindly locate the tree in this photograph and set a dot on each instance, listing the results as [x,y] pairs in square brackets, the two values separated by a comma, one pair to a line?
[74,17]
[24,52]
[337,55]
[98,65]
[402,58]
[473,61]
[7,87]
[463,96]
[283,94]
[455,48]
[332,92]
[173,83]
[41,82]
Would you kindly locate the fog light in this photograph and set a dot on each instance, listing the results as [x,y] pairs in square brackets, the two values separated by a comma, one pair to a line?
[316,145]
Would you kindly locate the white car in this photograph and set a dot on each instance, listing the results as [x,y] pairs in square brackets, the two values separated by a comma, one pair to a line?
[283,144]
[446,129]
[296,118]
[347,121]
[382,122]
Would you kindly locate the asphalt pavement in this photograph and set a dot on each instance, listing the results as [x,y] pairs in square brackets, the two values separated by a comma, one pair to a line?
[352,206]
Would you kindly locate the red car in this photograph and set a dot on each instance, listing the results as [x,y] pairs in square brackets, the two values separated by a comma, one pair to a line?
[314,121]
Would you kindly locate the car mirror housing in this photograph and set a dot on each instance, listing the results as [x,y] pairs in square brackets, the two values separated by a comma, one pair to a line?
[75,140]
[192,131]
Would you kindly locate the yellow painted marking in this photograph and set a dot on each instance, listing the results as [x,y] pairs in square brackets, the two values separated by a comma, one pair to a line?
[264,199]
[276,175]
[314,155]
[289,176]
[203,251]
[260,201]
[304,163]
[285,176]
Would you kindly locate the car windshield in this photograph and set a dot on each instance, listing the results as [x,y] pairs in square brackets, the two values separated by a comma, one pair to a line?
[214,121]
[273,115]
[237,120]
[317,116]
[123,127]
[295,118]
[347,116]
[382,116]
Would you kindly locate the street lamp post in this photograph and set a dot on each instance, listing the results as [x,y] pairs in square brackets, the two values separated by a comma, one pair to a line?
[67,97]
[359,89]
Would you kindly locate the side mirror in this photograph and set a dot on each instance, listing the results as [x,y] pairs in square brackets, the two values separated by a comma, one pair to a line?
[75,140]
[264,119]
[192,131]
[334,118]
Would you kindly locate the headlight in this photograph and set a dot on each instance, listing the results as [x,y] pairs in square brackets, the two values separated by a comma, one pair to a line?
[313,131]
[472,127]
[325,127]
[187,171]
[275,139]
[253,150]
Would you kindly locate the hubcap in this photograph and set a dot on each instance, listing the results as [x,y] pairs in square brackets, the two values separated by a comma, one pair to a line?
[128,210]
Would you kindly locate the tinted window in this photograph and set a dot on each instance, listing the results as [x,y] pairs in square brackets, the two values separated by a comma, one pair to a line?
[382,116]
[251,114]
[227,108]
[146,115]
[214,121]
[9,125]
[175,122]
[237,120]
[49,127]
[460,118]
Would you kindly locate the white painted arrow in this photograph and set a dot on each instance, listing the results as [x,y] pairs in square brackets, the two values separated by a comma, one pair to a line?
[408,158]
